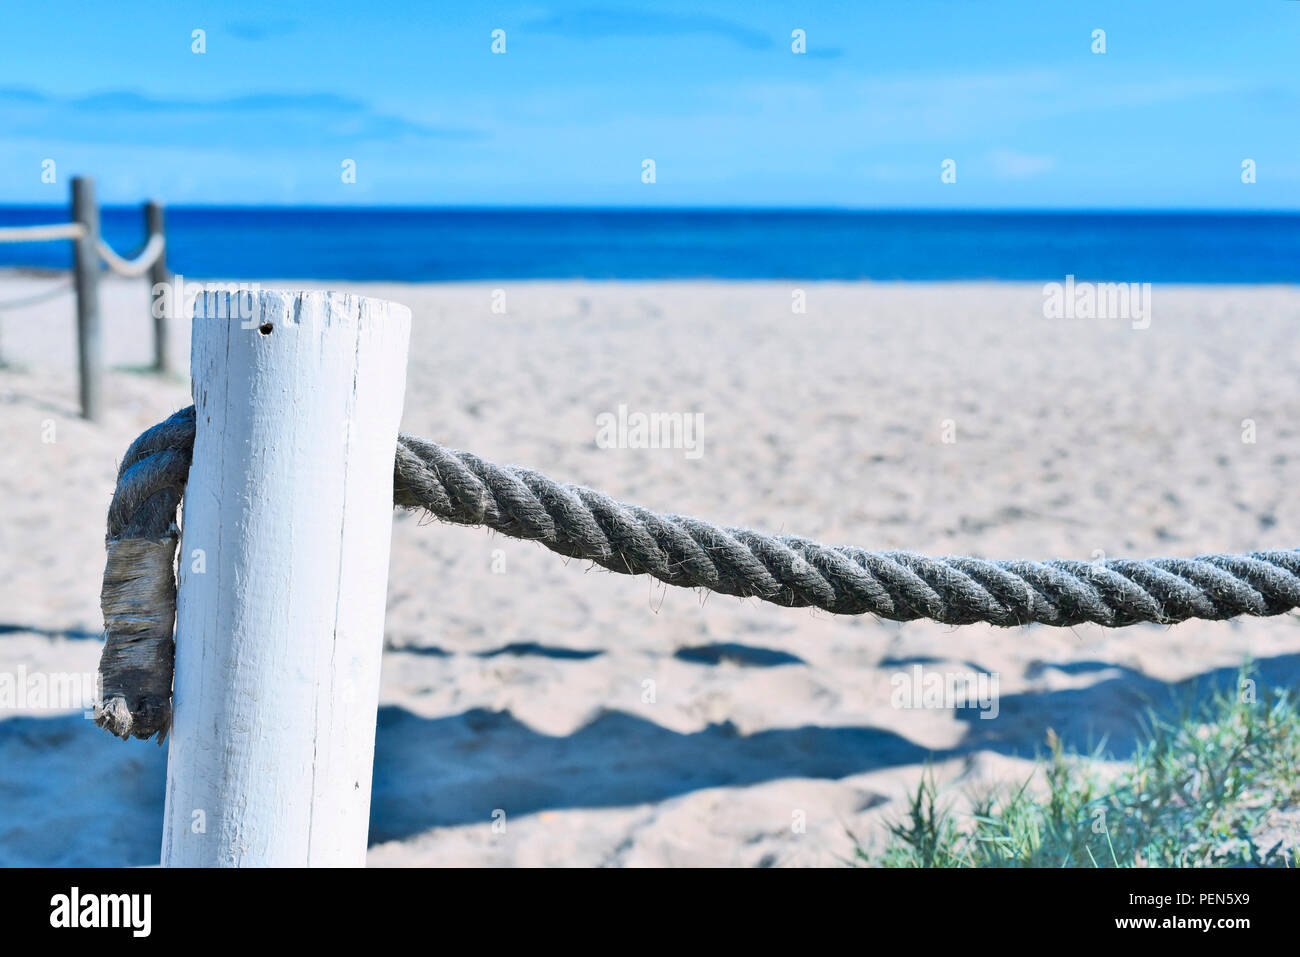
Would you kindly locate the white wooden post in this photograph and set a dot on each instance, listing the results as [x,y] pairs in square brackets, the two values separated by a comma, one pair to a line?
[283,574]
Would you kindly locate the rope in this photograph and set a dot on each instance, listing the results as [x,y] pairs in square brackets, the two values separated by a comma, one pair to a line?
[41,234]
[461,488]
[137,266]
[142,261]
[37,298]
[138,597]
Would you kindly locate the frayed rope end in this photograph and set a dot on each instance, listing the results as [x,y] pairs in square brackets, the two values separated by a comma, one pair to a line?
[139,604]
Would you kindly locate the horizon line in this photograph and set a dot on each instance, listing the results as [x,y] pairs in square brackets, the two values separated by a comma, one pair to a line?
[567,208]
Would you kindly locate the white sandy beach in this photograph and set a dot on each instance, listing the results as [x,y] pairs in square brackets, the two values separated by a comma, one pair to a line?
[520,687]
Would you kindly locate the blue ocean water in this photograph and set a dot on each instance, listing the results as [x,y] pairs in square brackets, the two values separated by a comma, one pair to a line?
[468,244]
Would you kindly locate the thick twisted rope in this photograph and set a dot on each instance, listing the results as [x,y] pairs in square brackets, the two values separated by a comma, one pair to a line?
[461,488]
[138,597]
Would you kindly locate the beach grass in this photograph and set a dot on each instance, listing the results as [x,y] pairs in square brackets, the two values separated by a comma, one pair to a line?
[1212,784]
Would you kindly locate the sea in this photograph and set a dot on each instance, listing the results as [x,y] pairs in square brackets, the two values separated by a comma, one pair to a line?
[419,245]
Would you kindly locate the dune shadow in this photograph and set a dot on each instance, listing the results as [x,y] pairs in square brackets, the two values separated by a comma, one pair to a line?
[520,649]
[517,649]
[432,772]
[1109,713]
[76,634]
[427,651]
[1037,668]
[71,796]
[913,660]
[737,654]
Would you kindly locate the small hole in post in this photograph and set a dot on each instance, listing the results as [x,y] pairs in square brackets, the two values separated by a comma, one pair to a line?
[265,328]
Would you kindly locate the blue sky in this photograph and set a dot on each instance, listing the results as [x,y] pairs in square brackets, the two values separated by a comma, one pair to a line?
[1011,91]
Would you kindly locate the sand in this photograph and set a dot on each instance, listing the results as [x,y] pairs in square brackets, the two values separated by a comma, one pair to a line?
[515,682]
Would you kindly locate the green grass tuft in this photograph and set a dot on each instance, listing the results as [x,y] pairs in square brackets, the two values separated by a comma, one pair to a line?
[1215,785]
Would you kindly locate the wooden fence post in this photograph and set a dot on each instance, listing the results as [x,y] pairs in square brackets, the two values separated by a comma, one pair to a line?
[283,578]
[158,275]
[90,358]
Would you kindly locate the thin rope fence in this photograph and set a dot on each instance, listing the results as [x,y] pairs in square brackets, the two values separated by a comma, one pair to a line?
[89,254]
[458,487]
[137,266]
[133,267]
[41,234]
